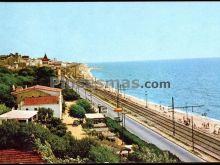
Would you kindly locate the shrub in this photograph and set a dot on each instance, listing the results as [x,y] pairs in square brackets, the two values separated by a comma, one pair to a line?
[70,94]
[43,75]
[88,124]
[85,104]
[4,109]
[46,151]
[146,155]
[15,135]
[56,126]
[63,107]
[77,111]
[44,115]
[101,154]
[82,147]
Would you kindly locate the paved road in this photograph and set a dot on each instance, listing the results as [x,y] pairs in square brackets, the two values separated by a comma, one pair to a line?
[143,132]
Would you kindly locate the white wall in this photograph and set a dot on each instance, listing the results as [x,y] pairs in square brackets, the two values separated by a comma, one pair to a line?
[57,108]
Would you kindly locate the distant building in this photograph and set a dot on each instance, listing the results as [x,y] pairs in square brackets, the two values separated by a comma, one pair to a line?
[13,61]
[36,97]
[45,60]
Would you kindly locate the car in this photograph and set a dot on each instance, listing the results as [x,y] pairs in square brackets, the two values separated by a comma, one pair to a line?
[76,123]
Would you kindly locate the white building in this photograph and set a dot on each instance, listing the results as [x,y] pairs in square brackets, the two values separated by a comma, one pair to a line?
[35,97]
[19,115]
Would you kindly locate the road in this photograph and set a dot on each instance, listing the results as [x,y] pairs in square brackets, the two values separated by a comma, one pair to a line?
[141,131]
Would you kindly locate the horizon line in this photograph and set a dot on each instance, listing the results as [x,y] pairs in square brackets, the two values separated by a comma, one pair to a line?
[153,60]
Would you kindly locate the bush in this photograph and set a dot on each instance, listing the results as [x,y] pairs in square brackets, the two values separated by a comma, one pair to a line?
[46,151]
[85,104]
[70,94]
[88,124]
[15,135]
[82,147]
[146,155]
[56,126]
[44,115]
[43,75]
[63,107]
[5,96]
[4,109]
[77,111]
[101,154]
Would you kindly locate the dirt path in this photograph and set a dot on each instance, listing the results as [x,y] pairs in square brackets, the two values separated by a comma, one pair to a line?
[76,131]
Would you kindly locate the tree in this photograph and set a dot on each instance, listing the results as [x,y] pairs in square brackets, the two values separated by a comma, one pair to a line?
[28,71]
[5,96]
[85,104]
[44,115]
[77,111]
[4,109]
[56,126]
[43,75]
[63,106]
[70,94]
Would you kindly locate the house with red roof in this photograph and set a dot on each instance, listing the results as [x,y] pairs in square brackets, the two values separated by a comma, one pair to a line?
[35,97]
[14,156]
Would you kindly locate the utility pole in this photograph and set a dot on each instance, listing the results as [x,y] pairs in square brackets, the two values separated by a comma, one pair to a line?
[191,106]
[146,98]
[192,131]
[173,116]
[117,98]
[123,126]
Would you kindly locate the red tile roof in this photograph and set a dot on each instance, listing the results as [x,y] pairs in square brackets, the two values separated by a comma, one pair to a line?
[41,100]
[18,156]
[37,87]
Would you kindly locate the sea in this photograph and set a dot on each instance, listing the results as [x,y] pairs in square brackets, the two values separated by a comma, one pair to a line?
[191,82]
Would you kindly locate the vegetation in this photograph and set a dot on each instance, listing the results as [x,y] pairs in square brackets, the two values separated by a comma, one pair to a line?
[56,126]
[70,94]
[146,152]
[44,115]
[145,155]
[46,151]
[40,75]
[23,136]
[102,154]
[63,107]
[85,104]
[4,109]
[28,76]
[77,111]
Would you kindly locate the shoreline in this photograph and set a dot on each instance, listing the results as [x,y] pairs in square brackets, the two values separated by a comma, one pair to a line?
[203,123]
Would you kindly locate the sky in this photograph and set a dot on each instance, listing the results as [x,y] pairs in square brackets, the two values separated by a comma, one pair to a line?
[114,31]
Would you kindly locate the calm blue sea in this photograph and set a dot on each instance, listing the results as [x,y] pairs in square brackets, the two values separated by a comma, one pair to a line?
[193,81]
